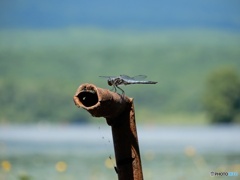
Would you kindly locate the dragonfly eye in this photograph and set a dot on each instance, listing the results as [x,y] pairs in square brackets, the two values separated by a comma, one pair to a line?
[109,82]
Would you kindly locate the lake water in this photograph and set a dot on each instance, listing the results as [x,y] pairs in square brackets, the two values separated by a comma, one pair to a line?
[172,152]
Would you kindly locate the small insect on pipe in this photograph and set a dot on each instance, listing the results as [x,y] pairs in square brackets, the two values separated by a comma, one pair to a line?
[116,81]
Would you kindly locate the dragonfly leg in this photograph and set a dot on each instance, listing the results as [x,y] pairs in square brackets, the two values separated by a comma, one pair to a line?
[121,90]
[114,88]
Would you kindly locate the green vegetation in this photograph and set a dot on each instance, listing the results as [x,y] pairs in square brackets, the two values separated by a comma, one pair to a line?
[89,166]
[222,97]
[40,70]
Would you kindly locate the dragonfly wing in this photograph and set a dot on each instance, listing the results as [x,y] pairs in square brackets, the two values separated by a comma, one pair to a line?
[126,77]
[108,77]
[139,77]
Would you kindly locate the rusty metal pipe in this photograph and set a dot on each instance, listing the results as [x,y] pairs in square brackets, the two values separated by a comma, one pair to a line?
[119,113]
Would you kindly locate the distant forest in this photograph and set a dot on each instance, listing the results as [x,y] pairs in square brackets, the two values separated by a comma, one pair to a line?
[40,70]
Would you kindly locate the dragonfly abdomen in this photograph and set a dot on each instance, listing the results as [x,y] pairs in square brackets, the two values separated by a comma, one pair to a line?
[139,82]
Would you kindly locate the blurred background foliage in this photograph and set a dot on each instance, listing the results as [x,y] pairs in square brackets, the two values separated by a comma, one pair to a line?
[47,49]
[222,96]
[40,71]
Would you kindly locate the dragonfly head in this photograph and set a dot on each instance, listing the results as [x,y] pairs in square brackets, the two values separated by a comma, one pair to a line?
[110,83]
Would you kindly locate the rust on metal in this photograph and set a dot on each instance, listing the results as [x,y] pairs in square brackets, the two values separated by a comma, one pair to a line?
[119,113]
[99,102]
[126,144]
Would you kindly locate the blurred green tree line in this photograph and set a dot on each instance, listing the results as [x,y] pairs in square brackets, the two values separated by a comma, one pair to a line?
[43,102]
[40,70]
[222,96]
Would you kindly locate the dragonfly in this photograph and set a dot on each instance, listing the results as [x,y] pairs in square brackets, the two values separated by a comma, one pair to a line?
[116,81]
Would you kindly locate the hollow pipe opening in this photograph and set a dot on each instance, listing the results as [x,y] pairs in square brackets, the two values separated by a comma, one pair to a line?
[88,98]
